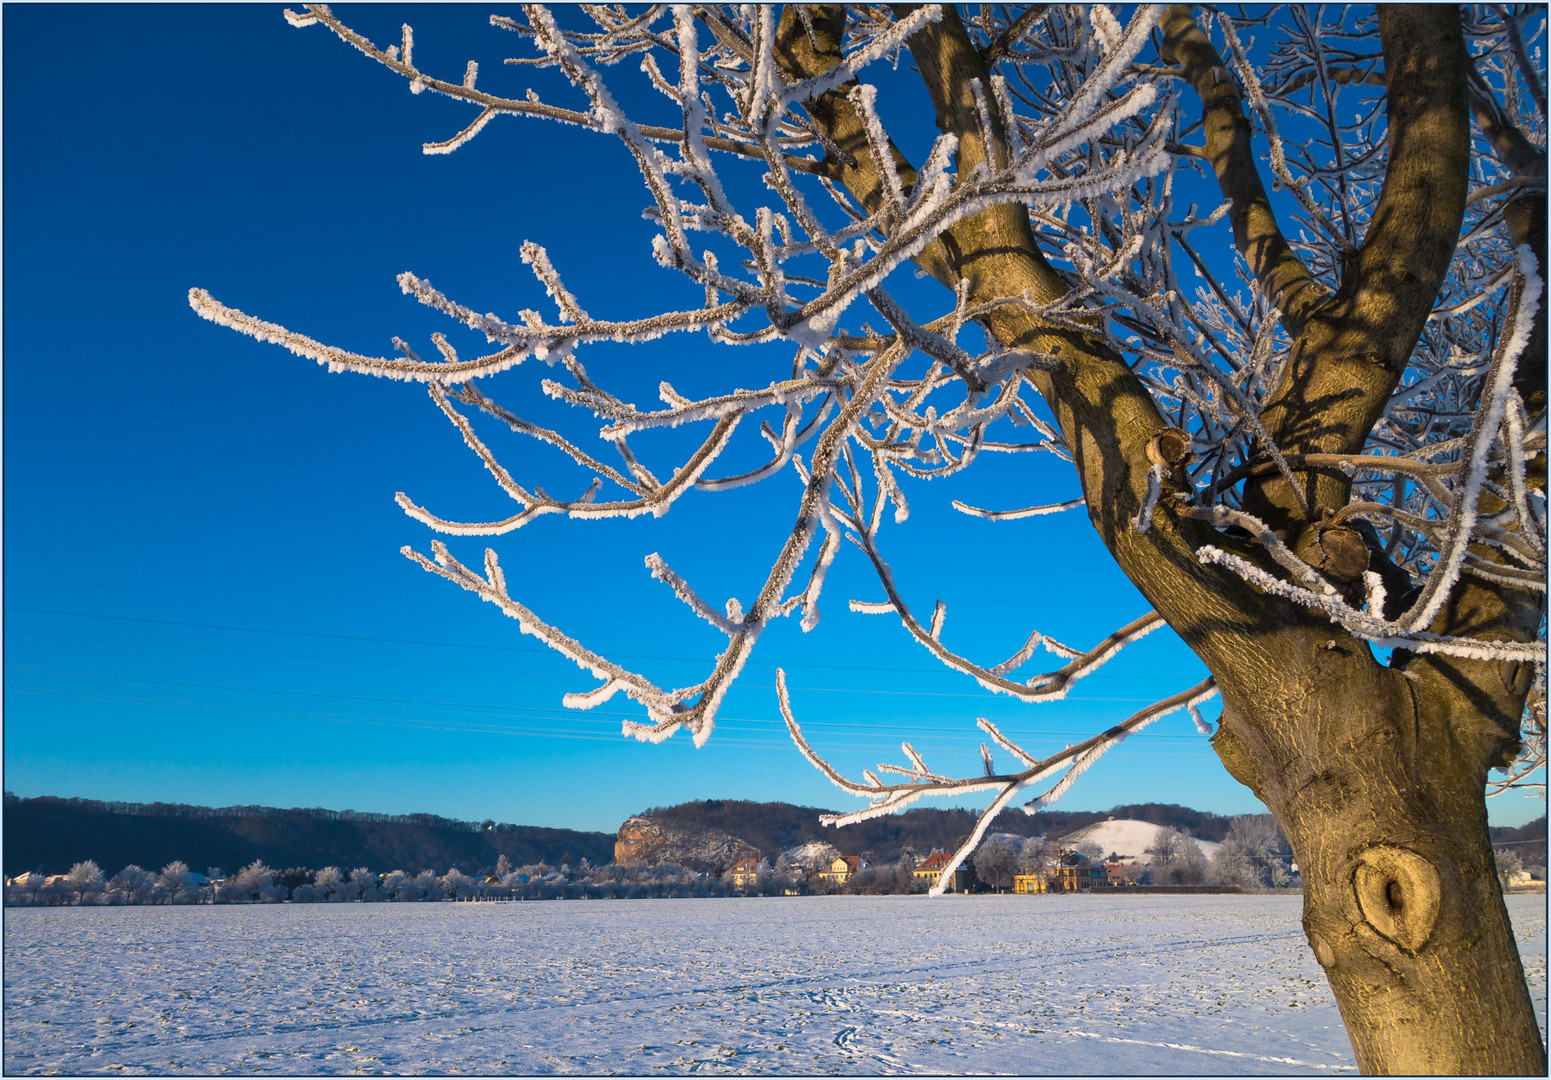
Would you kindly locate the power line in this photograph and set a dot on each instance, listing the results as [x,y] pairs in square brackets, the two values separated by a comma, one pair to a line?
[982,695]
[949,740]
[536,674]
[454,645]
[286,656]
[399,641]
[554,713]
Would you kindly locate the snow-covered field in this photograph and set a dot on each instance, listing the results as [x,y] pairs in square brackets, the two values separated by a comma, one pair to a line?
[999,984]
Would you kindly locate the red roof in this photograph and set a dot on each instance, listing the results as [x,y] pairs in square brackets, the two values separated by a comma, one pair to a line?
[746,866]
[937,861]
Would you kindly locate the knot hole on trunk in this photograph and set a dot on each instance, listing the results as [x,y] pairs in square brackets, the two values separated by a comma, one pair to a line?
[1399,894]
[1169,448]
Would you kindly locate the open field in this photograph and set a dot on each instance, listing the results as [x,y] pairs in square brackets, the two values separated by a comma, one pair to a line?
[1010,984]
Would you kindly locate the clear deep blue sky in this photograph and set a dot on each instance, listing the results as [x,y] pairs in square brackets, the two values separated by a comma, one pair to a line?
[204,597]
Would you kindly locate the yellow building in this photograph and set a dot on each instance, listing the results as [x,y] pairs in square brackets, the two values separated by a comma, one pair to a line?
[1077,873]
[744,872]
[930,869]
[843,867]
[1030,881]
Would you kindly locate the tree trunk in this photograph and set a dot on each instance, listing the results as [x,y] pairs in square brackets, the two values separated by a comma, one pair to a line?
[1402,906]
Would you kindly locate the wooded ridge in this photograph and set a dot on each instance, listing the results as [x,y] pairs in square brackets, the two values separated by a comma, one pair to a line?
[772,827]
[49,834]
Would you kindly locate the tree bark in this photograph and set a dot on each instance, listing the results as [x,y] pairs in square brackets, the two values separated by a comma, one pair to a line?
[1376,773]
[1383,808]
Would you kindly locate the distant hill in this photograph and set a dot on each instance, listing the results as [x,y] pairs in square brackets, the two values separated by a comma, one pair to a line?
[773,827]
[1128,838]
[1528,842]
[708,831]
[50,834]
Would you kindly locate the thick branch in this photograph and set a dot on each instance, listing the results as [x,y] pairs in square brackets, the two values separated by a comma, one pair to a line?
[805,55]
[1228,147]
[1525,216]
[1349,358]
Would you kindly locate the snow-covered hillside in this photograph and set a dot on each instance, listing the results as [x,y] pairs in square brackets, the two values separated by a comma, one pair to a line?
[1128,839]
[814,855]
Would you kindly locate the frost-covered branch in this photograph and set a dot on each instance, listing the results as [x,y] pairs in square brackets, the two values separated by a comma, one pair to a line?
[921,782]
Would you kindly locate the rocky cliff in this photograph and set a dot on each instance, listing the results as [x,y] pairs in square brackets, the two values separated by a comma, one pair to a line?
[643,840]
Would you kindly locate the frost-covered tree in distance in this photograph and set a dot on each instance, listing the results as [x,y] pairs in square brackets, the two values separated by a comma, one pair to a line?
[1324,467]
[996,861]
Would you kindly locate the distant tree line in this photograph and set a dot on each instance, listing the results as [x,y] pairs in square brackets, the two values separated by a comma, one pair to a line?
[1526,844]
[85,884]
[1253,856]
[48,835]
[189,812]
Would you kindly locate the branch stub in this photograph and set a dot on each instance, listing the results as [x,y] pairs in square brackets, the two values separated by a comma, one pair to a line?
[1170,447]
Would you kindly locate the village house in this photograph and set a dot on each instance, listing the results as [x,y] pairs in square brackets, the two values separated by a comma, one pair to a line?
[1075,872]
[1030,880]
[930,869]
[744,872]
[844,866]
[1122,873]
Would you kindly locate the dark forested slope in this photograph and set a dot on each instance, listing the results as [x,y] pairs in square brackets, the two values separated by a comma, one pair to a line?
[1528,842]
[50,834]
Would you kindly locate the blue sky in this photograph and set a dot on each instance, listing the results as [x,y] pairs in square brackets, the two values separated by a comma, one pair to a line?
[205,600]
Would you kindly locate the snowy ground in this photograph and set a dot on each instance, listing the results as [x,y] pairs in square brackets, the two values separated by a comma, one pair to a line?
[998,984]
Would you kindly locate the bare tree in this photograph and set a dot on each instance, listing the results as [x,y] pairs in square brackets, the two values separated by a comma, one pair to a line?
[996,861]
[1038,854]
[396,885]
[85,882]
[1177,859]
[458,885]
[1166,848]
[1507,864]
[1316,445]
[132,885]
[1254,854]
[1093,852]
[426,886]
[254,883]
[176,882]
[363,884]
